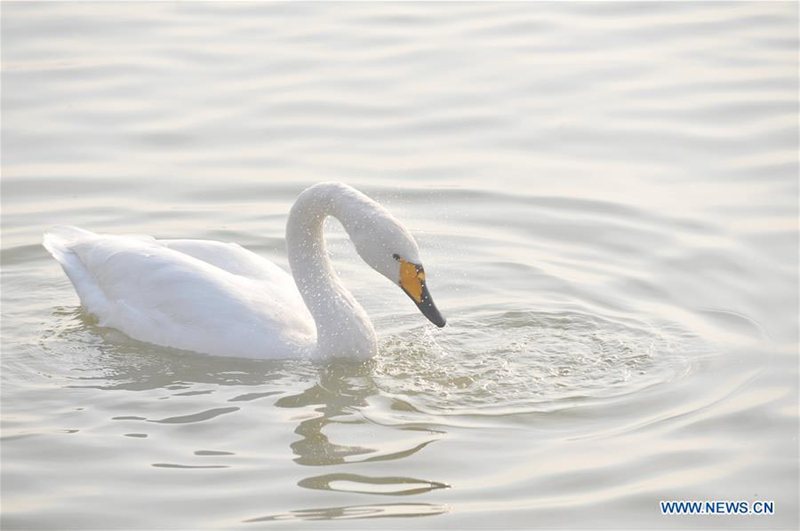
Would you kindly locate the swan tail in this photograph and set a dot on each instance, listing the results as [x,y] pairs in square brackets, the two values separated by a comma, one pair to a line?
[57,240]
[60,243]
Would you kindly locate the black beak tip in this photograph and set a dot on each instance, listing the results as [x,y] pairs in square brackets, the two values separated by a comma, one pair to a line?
[434,316]
[427,307]
[430,311]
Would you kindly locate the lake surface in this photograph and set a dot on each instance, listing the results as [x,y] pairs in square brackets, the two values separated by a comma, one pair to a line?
[606,202]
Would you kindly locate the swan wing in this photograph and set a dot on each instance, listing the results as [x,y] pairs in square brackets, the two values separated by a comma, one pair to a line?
[212,299]
[230,257]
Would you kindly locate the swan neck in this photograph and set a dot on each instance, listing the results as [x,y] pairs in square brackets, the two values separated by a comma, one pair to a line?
[343,327]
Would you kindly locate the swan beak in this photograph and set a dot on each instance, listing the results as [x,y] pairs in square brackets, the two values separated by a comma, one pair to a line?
[428,308]
[412,280]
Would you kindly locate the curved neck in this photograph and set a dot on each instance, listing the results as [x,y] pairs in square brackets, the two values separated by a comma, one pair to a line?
[343,327]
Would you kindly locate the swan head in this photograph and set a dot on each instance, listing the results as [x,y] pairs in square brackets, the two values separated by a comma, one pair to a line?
[388,247]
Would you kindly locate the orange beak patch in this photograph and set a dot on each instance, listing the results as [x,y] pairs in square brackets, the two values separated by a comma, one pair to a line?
[411,277]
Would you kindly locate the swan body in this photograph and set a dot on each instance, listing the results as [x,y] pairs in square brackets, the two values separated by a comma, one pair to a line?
[221,299]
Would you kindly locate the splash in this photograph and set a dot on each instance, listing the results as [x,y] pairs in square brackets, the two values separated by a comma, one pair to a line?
[529,361]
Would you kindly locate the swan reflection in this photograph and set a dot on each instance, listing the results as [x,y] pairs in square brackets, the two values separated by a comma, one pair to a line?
[326,403]
[342,391]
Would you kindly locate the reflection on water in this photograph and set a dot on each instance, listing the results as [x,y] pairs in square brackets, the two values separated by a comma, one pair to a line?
[338,391]
[342,391]
[396,486]
[198,417]
[357,512]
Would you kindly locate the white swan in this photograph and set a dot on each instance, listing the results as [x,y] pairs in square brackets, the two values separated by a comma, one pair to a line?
[219,298]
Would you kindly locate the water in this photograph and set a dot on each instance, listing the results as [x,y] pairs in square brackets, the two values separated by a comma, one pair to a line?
[606,200]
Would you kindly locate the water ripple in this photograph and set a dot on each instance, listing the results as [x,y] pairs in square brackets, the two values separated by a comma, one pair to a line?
[530,361]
